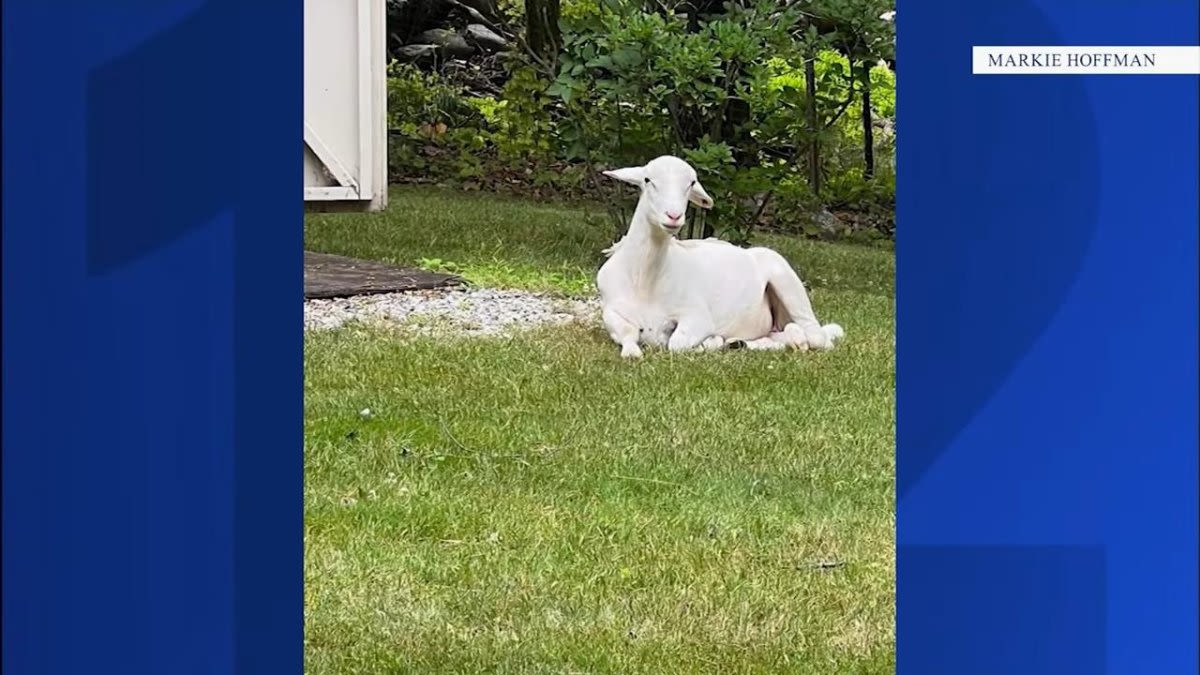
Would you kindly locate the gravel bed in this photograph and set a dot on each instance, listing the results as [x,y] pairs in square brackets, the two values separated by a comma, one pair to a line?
[471,311]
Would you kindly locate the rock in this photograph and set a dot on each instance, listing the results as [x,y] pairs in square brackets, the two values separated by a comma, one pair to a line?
[477,311]
[457,48]
[828,223]
[416,52]
[486,8]
[435,36]
[451,44]
[486,38]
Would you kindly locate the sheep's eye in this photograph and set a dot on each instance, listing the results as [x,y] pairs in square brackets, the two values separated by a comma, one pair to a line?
[693,184]
[647,181]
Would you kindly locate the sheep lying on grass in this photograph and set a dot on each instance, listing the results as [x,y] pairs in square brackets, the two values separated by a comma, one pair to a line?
[697,294]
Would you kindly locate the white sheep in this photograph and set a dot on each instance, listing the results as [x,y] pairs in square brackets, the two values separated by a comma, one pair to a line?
[697,294]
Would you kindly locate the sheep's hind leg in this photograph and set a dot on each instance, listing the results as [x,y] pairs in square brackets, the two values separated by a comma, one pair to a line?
[800,338]
[787,293]
[768,343]
[809,337]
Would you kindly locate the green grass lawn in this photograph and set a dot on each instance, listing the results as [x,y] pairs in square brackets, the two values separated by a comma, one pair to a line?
[502,241]
[535,504]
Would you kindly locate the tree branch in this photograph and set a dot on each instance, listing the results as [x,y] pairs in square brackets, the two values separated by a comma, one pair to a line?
[845,104]
[761,207]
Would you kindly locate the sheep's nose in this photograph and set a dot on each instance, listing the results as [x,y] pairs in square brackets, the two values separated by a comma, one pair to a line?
[674,216]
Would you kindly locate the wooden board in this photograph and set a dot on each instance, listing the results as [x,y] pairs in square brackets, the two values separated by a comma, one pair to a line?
[336,276]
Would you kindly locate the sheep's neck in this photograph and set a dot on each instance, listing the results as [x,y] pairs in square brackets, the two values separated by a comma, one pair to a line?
[646,246]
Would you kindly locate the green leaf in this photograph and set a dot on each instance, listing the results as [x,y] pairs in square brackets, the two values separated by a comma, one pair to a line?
[602,61]
[627,56]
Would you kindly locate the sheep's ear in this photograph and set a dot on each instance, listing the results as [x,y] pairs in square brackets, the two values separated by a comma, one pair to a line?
[699,197]
[634,175]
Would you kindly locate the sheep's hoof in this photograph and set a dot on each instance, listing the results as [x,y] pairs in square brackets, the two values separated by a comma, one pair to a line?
[735,344]
[795,337]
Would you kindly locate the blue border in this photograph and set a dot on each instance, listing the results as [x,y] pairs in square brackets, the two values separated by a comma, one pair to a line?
[1047,347]
[152,358]
[152,414]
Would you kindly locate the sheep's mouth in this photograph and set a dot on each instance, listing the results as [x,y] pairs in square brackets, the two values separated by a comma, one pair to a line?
[673,228]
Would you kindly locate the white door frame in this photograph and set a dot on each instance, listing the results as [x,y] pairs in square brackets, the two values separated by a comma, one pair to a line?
[368,189]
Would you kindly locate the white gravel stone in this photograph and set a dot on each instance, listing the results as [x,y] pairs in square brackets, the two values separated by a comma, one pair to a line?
[472,311]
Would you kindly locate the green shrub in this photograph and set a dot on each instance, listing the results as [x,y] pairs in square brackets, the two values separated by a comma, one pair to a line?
[727,91]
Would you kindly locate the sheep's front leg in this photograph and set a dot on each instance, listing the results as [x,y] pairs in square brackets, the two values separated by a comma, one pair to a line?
[623,332]
[694,335]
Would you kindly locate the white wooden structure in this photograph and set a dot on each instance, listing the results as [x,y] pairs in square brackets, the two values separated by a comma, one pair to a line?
[345,104]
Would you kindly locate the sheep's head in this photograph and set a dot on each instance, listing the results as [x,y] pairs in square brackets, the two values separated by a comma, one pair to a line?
[668,184]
